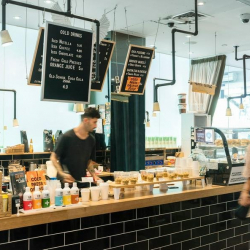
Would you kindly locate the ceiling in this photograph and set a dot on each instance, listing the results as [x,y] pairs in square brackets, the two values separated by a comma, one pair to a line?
[142,16]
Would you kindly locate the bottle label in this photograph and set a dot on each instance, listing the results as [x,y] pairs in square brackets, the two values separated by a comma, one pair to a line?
[67,192]
[37,197]
[58,201]
[66,200]
[45,203]
[74,199]
[45,196]
[59,193]
[27,205]
[37,204]
[75,192]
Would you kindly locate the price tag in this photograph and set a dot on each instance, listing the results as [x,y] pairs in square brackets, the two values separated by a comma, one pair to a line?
[87,179]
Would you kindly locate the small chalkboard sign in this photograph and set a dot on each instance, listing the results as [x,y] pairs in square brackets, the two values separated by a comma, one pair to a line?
[135,71]
[105,54]
[67,64]
[36,66]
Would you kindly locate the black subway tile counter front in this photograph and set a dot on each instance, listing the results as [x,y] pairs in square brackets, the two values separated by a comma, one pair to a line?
[197,224]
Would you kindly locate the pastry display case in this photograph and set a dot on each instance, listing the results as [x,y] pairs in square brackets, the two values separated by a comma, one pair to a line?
[224,152]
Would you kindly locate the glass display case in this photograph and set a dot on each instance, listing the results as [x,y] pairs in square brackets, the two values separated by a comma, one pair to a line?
[224,152]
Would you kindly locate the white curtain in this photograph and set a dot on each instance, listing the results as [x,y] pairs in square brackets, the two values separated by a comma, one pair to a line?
[208,71]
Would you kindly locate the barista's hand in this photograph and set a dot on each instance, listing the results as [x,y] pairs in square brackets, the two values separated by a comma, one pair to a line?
[96,178]
[244,199]
[67,178]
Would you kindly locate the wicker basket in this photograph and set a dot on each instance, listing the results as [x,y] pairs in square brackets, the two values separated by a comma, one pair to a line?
[17,149]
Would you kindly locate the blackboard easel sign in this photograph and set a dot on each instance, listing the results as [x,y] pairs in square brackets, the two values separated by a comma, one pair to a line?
[136,68]
[105,54]
[35,75]
[67,64]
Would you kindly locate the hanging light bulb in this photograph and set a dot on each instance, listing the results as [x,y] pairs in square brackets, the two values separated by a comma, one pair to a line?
[78,108]
[15,123]
[156,107]
[228,111]
[154,114]
[241,106]
[5,38]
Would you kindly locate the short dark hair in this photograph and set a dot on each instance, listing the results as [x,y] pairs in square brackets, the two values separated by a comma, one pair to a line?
[91,113]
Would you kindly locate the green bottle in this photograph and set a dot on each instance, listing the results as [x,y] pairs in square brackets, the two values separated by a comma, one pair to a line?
[45,197]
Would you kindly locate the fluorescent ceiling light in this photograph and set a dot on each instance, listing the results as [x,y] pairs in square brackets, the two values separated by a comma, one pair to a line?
[48,1]
[17,17]
[201,3]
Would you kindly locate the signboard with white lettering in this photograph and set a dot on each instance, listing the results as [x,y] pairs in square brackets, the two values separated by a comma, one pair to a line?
[105,54]
[35,75]
[136,68]
[67,64]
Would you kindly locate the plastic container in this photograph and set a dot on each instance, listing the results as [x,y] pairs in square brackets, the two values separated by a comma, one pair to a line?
[52,185]
[58,195]
[133,177]
[66,195]
[159,174]
[51,170]
[27,199]
[104,190]
[171,160]
[85,192]
[150,175]
[182,98]
[74,191]
[182,108]
[125,178]
[118,177]
[45,197]
[37,198]
[143,175]
[95,193]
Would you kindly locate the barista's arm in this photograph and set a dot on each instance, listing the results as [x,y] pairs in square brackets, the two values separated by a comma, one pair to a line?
[92,170]
[65,177]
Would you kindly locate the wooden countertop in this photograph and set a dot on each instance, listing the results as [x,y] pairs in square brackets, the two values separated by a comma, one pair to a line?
[132,200]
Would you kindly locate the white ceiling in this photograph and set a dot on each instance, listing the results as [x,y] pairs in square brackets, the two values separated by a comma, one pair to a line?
[224,20]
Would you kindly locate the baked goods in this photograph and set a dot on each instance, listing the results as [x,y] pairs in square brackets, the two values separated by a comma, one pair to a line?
[218,142]
[118,180]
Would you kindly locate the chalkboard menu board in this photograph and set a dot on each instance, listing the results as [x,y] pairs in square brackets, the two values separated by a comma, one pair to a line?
[136,68]
[67,64]
[105,54]
[36,67]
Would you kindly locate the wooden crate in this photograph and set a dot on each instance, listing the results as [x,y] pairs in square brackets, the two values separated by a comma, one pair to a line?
[9,211]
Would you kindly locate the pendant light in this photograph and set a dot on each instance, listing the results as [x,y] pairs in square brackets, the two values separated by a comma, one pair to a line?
[241,106]
[5,36]
[78,108]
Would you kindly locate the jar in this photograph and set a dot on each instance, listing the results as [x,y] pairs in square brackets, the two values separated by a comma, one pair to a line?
[118,177]
[171,160]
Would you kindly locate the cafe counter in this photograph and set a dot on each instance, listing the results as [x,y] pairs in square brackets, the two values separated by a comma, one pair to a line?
[189,217]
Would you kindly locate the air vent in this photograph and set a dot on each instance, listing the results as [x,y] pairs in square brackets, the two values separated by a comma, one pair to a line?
[188,17]
[247,2]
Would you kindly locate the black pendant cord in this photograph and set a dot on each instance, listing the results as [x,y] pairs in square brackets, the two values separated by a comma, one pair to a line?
[14,91]
[244,77]
[172,82]
[68,14]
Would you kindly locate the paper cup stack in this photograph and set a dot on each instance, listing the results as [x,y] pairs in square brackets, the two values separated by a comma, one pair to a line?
[182,103]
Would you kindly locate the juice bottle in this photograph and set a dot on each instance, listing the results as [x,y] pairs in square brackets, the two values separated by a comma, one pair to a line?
[66,195]
[27,199]
[74,194]
[37,201]
[45,197]
[59,195]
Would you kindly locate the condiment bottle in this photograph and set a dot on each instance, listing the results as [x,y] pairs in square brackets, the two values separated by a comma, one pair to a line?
[27,199]
[66,194]
[31,146]
[59,195]
[45,197]
[37,201]
[74,194]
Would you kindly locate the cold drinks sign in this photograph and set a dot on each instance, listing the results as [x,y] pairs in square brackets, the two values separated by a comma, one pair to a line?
[67,64]
[136,70]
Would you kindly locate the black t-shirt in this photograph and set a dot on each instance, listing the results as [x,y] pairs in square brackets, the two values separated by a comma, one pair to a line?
[74,153]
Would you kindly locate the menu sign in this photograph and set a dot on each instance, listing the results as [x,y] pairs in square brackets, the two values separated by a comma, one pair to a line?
[136,68]
[105,54]
[36,67]
[67,64]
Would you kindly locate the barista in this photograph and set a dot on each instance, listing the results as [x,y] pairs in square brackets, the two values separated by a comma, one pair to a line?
[75,151]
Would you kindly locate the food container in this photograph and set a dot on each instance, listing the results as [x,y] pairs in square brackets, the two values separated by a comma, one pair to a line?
[159,174]
[150,175]
[171,160]
[182,108]
[143,175]
[118,177]
[133,177]
[172,173]
[125,178]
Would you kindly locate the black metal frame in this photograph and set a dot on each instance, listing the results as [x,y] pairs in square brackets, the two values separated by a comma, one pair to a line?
[244,77]
[14,91]
[172,82]
[68,14]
